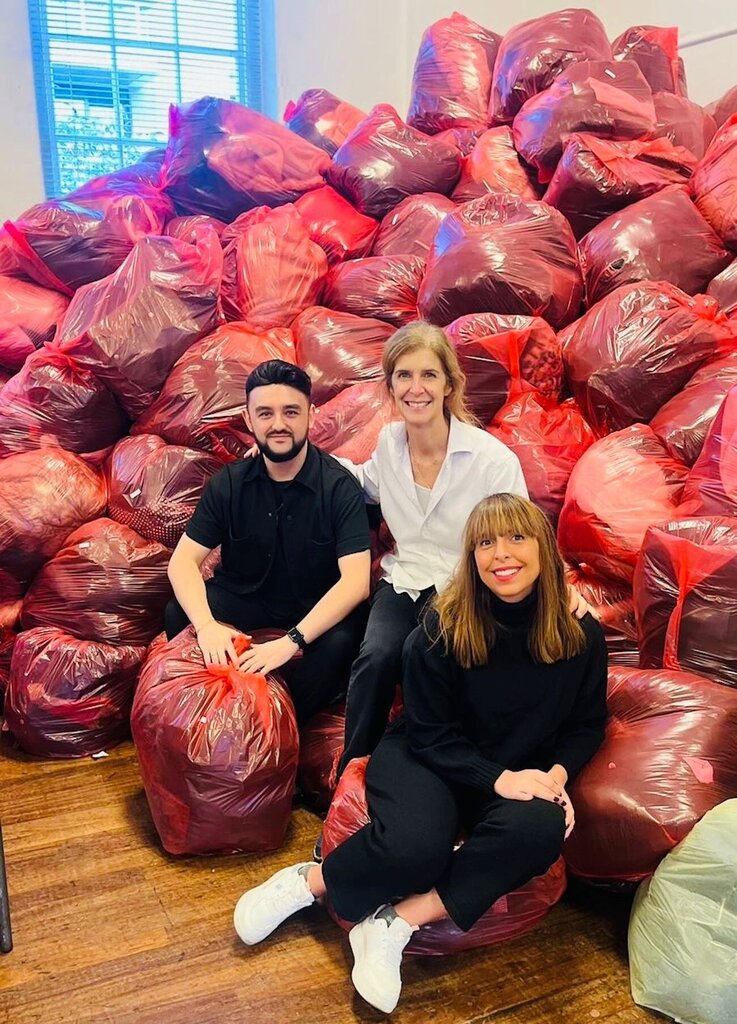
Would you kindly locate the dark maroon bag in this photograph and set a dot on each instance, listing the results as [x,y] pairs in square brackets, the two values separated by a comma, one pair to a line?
[409,229]
[322,119]
[384,287]
[683,122]
[29,316]
[493,165]
[724,289]
[655,51]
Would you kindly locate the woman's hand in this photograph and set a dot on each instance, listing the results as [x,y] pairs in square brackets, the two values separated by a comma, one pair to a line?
[528,784]
[578,605]
[216,642]
[266,657]
[567,806]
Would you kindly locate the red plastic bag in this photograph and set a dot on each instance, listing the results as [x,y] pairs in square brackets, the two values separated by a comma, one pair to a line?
[637,348]
[131,328]
[7,642]
[722,109]
[202,402]
[711,488]
[69,697]
[620,486]
[714,183]
[724,289]
[502,254]
[187,228]
[106,583]
[320,748]
[685,591]
[154,487]
[409,229]
[52,401]
[548,440]
[452,75]
[44,495]
[668,757]
[683,422]
[503,355]
[661,238]
[272,269]
[464,139]
[217,751]
[655,51]
[337,227]
[513,914]
[349,424]
[683,122]
[596,177]
[494,166]
[533,54]
[338,350]
[615,609]
[609,99]
[385,160]
[29,316]
[322,119]
[223,159]
[384,287]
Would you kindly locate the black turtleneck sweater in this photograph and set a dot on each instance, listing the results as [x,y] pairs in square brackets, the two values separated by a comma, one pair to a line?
[469,725]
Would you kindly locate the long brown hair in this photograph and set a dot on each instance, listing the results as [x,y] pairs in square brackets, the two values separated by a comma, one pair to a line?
[420,334]
[465,609]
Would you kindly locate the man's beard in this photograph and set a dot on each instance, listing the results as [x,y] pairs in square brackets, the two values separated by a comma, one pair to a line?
[272,456]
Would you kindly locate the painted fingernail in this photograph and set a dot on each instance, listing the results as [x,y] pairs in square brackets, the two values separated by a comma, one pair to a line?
[556,799]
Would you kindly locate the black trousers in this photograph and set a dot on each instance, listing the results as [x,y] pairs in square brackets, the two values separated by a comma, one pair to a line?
[378,668]
[408,845]
[315,679]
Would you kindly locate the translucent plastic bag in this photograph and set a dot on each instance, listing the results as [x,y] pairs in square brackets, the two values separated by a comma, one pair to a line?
[711,487]
[29,316]
[655,51]
[723,108]
[320,748]
[349,424]
[685,123]
[409,229]
[384,287]
[337,227]
[615,609]
[724,289]
[322,119]
[493,165]
[714,183]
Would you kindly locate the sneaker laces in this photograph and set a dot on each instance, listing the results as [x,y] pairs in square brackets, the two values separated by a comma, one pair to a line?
[393,942]
[286,891]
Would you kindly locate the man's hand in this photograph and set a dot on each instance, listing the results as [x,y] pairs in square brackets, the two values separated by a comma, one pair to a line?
[266,657]
[578,605]
[217,643]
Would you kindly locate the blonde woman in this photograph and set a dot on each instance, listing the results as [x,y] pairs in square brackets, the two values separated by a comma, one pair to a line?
[505,701]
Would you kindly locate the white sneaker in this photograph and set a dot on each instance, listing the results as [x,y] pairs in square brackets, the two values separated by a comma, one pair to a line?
[377,945]
[259,911]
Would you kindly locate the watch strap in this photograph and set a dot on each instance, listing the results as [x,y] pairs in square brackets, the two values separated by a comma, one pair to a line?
[296,637]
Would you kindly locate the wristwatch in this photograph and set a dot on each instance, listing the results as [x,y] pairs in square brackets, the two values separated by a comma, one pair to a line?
[296,637]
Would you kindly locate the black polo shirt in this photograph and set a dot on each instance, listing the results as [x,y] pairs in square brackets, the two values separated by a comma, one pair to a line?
[296,546]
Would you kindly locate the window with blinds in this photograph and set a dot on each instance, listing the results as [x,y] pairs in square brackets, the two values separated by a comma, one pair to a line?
[107,70]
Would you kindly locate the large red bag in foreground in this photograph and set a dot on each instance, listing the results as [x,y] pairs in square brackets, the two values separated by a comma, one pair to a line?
[596,177]
[494,166]
[223,159]
[504,255]
[513,914]
[52,401]
[711,487]
[338,228]
[385,160]
[131,328]
[655,51]
[620,486]
[452,75]
[548,439]
[154,487]
[685,123]
[724,289]
[44,495]
[105,584]
[533,54]
[686,597]
[322,119]
[320,748]
[714,183]
[668,757]
[203,400]
[272,269]
[661,238]
[610,99]
[409,229]
[612,601]
[338,349]
[28,318]
[637,348]
[349,424]
[217,751]
[384,287]
[69,697]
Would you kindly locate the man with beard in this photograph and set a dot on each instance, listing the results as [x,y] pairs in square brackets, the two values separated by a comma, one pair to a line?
[295,550]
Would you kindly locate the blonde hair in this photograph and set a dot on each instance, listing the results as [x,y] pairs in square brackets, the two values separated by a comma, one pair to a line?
[421,335]
[465,608]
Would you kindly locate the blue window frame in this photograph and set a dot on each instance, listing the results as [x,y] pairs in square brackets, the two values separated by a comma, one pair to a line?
[107,70]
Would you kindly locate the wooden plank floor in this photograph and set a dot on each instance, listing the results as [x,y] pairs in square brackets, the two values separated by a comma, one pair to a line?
[110,930]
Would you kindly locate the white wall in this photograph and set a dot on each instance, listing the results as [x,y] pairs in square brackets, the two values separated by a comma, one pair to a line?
[362,50]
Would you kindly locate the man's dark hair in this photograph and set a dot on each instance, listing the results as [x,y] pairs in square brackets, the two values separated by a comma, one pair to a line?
[277,371]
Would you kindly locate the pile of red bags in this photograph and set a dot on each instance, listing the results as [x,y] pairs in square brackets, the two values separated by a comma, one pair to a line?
[154,487]
[493,165]
[409,229]
[348,426]
[217,750]
[322,119]
[711,487]
[714,183]
[29,316]
[685,591]
[503,254]
[68,697]
[668,757]
[337,350]
[384,287]
[202,402]
[513,914]
[655,51]
[338,228]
